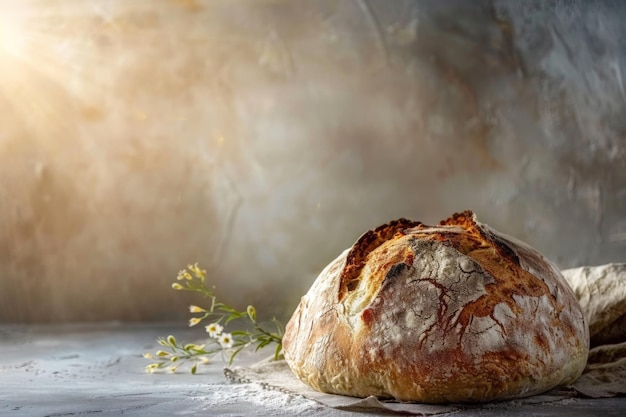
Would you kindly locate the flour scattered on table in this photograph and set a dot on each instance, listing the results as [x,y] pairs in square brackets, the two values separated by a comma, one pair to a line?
[259,399]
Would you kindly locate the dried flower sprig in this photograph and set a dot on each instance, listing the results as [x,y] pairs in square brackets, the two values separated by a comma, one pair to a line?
[193,278]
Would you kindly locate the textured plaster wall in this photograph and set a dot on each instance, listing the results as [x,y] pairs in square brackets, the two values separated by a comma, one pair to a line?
[261,138]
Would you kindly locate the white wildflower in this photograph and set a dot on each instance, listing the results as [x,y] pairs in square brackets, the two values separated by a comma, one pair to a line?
[214,329]
[226,340]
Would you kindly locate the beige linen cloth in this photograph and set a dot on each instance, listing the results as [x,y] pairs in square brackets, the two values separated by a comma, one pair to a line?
[601,292]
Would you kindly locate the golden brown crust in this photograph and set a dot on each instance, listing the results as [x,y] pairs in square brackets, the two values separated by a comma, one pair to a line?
[369,241]
[454,312]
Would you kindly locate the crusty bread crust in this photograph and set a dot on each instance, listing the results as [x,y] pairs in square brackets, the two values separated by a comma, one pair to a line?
[451,313]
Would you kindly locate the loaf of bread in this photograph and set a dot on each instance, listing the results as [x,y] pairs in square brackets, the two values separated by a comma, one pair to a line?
[451,313]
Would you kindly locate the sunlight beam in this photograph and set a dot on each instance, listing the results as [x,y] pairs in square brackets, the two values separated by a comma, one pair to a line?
[11,39]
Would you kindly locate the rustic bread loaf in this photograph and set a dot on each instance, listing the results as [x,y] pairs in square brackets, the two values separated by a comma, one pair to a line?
[450,313]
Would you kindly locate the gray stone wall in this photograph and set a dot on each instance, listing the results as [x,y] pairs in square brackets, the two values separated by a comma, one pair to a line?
[261,138]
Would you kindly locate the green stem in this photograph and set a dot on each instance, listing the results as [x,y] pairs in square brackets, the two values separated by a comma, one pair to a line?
[272,336]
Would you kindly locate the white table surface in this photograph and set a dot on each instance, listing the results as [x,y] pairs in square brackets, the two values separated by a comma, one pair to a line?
[98,369]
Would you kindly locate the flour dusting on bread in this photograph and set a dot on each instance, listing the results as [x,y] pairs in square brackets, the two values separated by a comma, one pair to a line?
[446,313]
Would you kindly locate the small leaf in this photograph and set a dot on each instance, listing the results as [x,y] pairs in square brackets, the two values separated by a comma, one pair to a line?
[194,368]
[231,318]
[279,327]
[171,340]
[224,307]
[263,344]
[279,348]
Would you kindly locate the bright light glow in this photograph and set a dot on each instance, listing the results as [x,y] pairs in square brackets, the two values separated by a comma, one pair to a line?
[11,40]
[49,66]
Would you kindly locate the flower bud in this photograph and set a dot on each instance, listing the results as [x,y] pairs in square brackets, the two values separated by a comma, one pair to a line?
[251,313]
[196,309]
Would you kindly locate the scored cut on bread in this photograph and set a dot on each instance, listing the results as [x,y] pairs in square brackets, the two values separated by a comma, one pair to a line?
[456,312]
